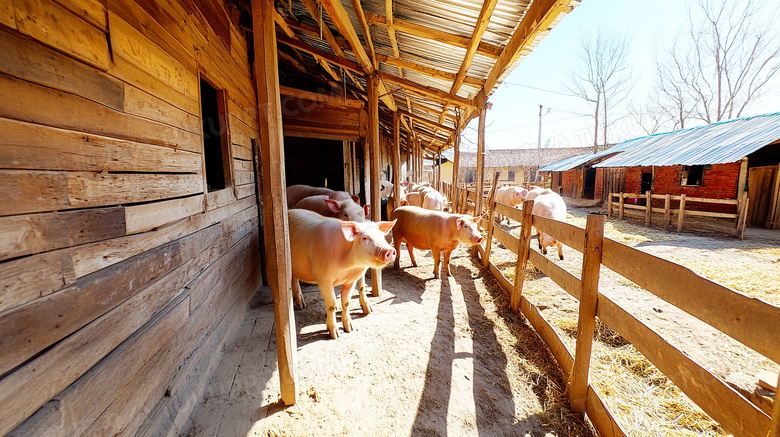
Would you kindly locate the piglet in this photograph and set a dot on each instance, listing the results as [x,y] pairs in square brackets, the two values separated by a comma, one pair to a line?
[434,230]
[345,209]
[330,252]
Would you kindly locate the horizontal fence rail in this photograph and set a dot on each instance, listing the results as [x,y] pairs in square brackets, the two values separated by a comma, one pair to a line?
[642,206]
[743,318]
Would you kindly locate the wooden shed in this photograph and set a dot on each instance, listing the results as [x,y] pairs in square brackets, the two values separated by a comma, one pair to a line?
[145,152]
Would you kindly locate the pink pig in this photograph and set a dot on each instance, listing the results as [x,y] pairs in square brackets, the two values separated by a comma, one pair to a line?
[550,205]
[296,193]
[331,252]
[511,196]
[345,209]
[434,230]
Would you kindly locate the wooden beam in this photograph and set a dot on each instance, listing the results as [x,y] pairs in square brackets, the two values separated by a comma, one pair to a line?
[428,71]
[479,29]
[483,49]
[324,98]
[456,164]
[539,18]
[373,147]
[361,16]
[302,46]
[480,160]
[276,227]
[396,158]
[391,27]
[426,121]
[425,91]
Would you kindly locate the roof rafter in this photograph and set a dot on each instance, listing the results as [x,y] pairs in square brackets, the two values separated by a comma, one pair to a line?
[425,121]
[361,16]
[425,91]
[483,49]
[302,46]
[482,22]
[428,71]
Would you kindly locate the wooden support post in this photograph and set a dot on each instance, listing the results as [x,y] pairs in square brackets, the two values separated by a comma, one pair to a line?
[355,170]
[409,158]
[492,209]
[347,166]
[480,161]
[277,243]
[523,250]
[456,164]
[774,203]
[589,292]
[743,177]
[774,428]
[681,214]
[649,209]
[620,207]
[396,154]
[438,173]
[373,144]
[742,219]
[667,211]
[609,205]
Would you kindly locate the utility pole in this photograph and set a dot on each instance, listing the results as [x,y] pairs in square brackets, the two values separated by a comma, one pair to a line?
[539,144]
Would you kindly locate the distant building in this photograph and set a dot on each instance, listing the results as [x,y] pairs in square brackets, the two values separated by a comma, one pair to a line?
[517,166]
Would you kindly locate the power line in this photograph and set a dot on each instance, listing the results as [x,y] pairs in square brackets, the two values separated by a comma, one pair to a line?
[541,89]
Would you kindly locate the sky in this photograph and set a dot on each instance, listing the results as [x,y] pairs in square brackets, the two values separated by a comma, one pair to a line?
[513,121]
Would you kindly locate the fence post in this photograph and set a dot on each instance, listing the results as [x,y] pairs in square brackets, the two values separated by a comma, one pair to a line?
[492,208]
[774,428]
[622,201]
[589,292]
[667,211]
[648,208]
[523,249]
[742,219]
[681,214]
[609,205]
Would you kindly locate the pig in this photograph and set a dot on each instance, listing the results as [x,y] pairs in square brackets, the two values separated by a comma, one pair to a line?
[345,209]
[330,252]
[434,200]
[296,193]
[550,205]
[385,189]
[538,191]
[414,198]
[391,203]
[511,196]
[418,187]
[434,230]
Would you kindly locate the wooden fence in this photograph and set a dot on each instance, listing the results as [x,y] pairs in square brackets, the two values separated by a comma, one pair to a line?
[743,318]
[624,207]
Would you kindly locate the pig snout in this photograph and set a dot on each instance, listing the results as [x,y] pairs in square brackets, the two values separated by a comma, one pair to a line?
[477,239]
[386,255]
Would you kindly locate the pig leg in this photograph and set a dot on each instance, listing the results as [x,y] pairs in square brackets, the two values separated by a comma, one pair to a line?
[329,296]
[559,245]
[364,303]
[411,253]
[397,245]
[346,293]
[436,261]
[447,254]
[298,301]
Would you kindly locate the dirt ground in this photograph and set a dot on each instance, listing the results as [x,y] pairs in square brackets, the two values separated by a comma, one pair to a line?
[447,357]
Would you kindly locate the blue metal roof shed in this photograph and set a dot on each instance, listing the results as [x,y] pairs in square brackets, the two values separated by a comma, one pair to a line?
[578,160]
[717,143]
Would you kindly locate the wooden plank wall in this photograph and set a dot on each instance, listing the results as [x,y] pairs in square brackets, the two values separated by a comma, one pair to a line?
[120,276]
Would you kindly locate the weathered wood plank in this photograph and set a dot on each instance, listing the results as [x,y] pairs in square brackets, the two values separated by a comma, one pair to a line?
[7,17]
[733,412]
[36,147]
[32,191]
[30,234]
[29,60]
[131,45]
[566,233]
[243,191]
[92,11]
[515,214]
[141,218]
[508,240]
[248,116]
[241,152]
[143,104]
[59,28]
[739,316]
[568,282]
[27,330]
[602,417]
[29,278]
[98,189]
[245,177]
[83,401]
[65,110]
[92,257]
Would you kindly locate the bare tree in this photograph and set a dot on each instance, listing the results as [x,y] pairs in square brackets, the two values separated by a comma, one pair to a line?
[649,117]
[730,53]
[601,75]
[672,97]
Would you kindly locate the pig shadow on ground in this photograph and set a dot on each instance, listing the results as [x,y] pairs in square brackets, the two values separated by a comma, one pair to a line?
[492,398]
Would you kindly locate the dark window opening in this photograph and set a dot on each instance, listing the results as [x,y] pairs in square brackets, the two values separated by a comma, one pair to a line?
[215,144]
[510,176]
[647,183]
[692,175]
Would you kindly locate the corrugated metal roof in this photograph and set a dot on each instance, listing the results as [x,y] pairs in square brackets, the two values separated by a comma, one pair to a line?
[455,18]
[717,143]
[576,161]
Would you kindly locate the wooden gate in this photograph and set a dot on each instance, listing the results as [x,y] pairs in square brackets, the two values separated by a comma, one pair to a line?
[614,182]
[762,195]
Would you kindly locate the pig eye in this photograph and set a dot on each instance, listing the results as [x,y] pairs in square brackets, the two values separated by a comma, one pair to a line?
[364,239]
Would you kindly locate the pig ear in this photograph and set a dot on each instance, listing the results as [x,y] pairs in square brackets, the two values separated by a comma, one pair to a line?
[356,199]
[477,219]
[349,229]
[461,222]
[333,205]
[386,226]
[404,202]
